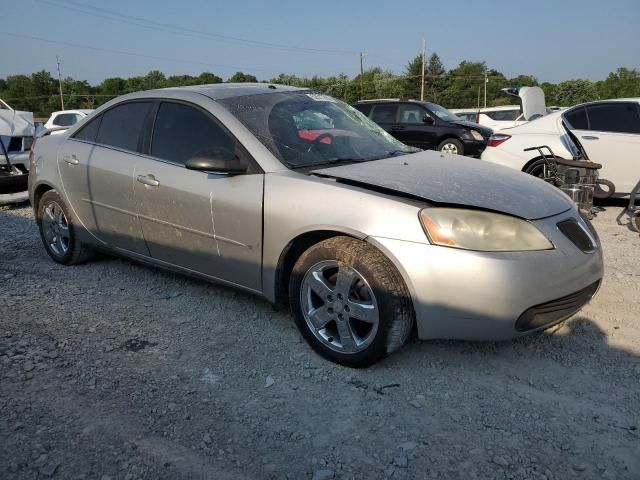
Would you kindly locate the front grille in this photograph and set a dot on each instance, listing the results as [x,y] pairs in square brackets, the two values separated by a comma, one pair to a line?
[577,234]
[551,312]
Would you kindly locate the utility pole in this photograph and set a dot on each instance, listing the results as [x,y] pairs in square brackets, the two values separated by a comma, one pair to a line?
[361,76]
[60,83]
[424,48]
[486,80]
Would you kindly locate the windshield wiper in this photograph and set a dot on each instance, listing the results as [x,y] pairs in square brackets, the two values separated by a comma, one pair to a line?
[333,161]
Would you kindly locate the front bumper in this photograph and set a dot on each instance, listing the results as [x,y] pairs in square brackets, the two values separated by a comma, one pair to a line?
[19,159]
[467,295]
[473,148]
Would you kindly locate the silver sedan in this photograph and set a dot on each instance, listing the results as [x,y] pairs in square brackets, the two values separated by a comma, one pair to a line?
[297,197]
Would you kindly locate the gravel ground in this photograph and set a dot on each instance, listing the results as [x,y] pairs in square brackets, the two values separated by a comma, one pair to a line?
[112,370]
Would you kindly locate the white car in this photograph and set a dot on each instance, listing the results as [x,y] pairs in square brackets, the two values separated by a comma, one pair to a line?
[496,118]
[608,131]
[65,118]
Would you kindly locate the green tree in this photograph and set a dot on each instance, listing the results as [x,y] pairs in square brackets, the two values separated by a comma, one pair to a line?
[466,86]
[571,92]
[623,83]
[413,74]
[240,77]
[206,78]
[435,78]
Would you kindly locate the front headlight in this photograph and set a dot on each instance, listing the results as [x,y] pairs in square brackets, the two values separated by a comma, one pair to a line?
[476,135]
[483,231]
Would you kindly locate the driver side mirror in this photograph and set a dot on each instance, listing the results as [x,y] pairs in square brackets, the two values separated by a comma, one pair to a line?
[427,119]
[216,161]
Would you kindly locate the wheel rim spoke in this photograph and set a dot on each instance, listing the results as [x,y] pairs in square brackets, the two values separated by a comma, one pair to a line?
[319,317]
[318,284]
[363,311]
[346,334]
[346,277]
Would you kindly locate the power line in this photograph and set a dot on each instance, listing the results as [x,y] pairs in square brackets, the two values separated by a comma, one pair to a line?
[132,54]
[180,30]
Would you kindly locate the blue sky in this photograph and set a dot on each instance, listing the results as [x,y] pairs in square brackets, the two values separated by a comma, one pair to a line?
[554,40]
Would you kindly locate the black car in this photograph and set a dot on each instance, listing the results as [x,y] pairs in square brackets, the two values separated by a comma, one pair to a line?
[427,125]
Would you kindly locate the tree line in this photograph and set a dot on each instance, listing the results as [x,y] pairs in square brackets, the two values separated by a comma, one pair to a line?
[459,87]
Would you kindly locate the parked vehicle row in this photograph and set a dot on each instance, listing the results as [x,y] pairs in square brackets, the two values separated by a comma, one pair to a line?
[302,199]
[607,131]
[426,125]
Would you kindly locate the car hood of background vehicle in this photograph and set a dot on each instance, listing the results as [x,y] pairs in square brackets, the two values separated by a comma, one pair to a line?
[445,179]
[484,131]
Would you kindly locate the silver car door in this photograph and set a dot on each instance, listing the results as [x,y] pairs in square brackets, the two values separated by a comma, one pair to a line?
[205,222]
[109,179]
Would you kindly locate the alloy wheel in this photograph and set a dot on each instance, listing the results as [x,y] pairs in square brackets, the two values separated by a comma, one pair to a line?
[339,307]
[449,148]
[56,229]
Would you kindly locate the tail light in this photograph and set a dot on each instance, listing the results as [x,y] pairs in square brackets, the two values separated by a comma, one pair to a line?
[497,139]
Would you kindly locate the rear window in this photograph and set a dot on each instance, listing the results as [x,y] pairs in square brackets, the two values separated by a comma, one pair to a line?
[616,117]
[577,119]
[66,119]
[121,126]
[503,115]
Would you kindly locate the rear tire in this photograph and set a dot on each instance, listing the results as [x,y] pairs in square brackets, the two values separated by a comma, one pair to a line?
[57,231]
[349,302]
[536,168]
[451,145]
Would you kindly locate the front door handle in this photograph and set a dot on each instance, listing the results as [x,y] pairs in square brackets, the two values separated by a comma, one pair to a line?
[589,137]
[71,160]
[395,128]
[149,180]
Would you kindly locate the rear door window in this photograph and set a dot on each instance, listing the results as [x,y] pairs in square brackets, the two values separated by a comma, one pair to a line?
[619,117]
[121,125]
[577,119]
[180,131]
[384,113]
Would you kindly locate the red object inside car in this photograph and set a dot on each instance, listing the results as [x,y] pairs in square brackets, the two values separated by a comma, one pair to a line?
[311,135]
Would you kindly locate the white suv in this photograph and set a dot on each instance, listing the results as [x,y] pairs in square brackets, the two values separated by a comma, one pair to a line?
[608,131]
[65,118]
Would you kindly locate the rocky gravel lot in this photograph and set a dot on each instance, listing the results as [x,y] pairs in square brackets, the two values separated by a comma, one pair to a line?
[112,370]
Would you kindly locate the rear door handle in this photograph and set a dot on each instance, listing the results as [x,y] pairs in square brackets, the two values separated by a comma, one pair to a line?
[589,137]
[71,160]
[149,180]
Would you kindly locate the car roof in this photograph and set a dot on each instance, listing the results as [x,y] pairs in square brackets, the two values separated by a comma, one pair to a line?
[220,91]
[75,110]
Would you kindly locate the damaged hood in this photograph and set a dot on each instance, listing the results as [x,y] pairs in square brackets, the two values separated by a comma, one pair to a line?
[16,124]
[458,181]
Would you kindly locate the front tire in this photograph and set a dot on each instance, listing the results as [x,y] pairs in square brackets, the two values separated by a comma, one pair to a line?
[57,231]
[350,302]
[451,145]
